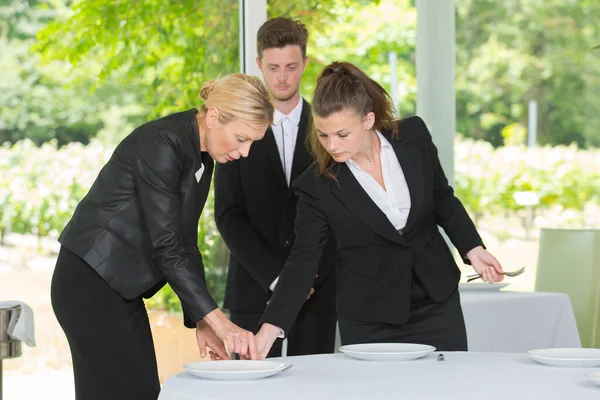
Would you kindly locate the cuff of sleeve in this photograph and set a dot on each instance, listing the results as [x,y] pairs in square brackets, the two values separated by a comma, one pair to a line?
[281,334]
[273,284]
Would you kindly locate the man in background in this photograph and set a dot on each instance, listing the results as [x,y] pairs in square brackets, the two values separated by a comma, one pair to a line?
[255,208]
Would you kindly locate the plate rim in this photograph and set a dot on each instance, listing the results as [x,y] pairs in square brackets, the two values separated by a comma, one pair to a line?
[187,368]
[426,349]
[498,285]
[597,359]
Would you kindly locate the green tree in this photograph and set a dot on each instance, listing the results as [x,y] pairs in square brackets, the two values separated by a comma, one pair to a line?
[512,51]
[45,102]
[168,48]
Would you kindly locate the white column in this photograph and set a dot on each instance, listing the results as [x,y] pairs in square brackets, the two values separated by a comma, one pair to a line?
[436,98]
[253,13]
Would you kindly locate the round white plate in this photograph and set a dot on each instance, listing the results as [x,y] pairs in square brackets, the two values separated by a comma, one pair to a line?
[387,351]
[594,377]
[481,287]
[234,370]
[568,357]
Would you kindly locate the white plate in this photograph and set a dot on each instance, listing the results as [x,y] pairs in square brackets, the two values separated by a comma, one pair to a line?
[387,351]
[481,287]
[594,377]
[568,357]
[234,370]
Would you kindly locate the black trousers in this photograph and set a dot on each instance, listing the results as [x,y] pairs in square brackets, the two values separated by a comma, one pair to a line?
[441,325]
[312,332]
[109,337]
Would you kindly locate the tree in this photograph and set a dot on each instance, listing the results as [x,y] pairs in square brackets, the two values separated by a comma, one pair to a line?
[168,48]
[512,51]
[42,102]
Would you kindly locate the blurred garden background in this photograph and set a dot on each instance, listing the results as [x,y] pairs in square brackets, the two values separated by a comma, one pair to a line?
[77,76]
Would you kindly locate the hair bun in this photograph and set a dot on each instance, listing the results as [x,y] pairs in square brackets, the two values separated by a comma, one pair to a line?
[206,89]
[338,68]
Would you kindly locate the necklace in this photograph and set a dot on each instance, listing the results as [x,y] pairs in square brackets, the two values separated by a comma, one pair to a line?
[371,163]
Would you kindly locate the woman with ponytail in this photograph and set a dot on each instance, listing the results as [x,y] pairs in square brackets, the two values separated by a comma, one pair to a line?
[137,229]
[378,187]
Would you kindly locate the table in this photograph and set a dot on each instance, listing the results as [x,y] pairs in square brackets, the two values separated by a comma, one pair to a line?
[514,322]
[463,375]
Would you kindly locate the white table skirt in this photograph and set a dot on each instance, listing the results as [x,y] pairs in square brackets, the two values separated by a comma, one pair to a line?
[515,322]
[473,376]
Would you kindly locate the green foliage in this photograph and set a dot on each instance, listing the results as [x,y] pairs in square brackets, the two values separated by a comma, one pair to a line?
[44,102]
[167,49]
[487,178]
[508,52]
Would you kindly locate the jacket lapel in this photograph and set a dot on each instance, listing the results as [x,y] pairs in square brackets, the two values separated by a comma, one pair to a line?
[351,194]
[273,155]
[195,139]
[410,157]
[302,158]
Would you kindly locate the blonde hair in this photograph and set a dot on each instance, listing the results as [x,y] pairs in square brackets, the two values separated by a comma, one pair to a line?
[239,96]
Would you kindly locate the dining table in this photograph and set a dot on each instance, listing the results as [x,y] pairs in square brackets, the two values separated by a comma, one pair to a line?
[460,376]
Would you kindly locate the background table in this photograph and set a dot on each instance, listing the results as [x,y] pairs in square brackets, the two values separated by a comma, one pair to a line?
[463,375]
[516,322]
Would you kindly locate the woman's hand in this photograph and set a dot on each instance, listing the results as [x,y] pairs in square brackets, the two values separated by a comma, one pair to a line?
[206,337]
[236,339]
[485,265]
[265,338]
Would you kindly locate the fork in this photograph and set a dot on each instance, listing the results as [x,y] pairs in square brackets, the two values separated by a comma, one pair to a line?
[508,273]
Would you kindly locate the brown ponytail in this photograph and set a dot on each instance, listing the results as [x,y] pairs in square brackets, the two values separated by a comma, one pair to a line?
[343,86]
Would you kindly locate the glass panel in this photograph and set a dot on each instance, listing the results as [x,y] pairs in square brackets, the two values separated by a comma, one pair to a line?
[527,86]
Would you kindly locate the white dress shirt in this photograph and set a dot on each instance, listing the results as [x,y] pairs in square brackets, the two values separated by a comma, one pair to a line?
[285,130]
[394,201]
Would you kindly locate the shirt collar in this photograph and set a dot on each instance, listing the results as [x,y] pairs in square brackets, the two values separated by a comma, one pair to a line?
[293,116]
[384,145]
[384,142]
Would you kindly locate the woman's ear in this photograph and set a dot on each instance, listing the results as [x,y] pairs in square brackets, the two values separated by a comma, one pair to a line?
[369,121]
[212,117]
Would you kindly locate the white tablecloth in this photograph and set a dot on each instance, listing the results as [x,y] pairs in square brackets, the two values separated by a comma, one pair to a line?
[515,322]
[472,376]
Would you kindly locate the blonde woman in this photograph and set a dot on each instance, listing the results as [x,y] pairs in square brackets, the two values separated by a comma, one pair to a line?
[136,230]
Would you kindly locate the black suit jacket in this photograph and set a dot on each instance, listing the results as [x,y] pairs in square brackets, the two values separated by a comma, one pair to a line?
[137,226]
[374,272]
[255,211]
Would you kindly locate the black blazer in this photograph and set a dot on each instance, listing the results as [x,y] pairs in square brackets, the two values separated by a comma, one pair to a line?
[137,226]
[374,272]
[255,211]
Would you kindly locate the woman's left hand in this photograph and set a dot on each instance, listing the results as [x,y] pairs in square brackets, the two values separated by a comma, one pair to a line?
[485,265]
